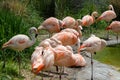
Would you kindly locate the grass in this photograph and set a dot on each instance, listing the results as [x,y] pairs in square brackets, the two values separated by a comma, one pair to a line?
[110,55]
[12,24]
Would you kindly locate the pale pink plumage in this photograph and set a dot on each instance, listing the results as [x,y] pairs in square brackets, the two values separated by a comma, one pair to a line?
[41,59]
[89,19]
[108,15]
[114,26]
[52,25]
[59,56]
[67,37]
[20,42]
[93,44]
[70,22]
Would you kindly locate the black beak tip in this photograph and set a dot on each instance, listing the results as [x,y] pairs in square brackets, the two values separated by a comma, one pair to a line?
[36,35]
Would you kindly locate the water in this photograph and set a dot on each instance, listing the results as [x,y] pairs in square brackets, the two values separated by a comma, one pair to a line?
[109,55]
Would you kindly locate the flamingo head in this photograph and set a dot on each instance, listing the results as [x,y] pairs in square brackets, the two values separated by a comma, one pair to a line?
[37,60]
[82,48]
[33,30]
[61,23]
[95,14]
[41,59]
[110,7]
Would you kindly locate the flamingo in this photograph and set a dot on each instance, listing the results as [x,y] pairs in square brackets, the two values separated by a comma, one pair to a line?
[52,25]
[50,42]
[70,22]
[43,59]
[108,16]
[88,20]
[40,60]
[92,45]
[67,37]
[115,27]
[20,42]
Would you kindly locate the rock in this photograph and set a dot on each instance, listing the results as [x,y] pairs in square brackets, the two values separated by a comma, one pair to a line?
[100,72]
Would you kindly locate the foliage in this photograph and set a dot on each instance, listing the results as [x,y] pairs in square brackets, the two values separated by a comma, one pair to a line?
[19,8]
[11,23]
[116,5]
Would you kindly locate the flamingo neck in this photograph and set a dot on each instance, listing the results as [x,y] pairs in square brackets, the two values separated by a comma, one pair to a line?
[93,16]
[33,40]
[111,7]
[33,36]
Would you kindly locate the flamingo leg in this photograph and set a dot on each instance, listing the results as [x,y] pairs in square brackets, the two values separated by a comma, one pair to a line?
[4,61]
[42,75]
[50,35]
[108,35]
[56,68]
[91,66]
[117,38]
[108,32]
[90,29]
[19,62]
[60,76]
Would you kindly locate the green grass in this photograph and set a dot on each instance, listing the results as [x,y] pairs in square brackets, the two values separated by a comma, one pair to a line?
[110,55]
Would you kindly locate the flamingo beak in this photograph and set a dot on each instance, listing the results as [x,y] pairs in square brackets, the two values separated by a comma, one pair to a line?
[99,18]
[3,47]
[108,28]
[38,69]
[36,35]
[82,48]
[84,23]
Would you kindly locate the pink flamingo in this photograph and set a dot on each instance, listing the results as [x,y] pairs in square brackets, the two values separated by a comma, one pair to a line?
[115,27]
[107,15]
[70,22]
[67,37]
[92,45]
[42,59]
[20,42]
[50,42]
[89,19]
[52,25]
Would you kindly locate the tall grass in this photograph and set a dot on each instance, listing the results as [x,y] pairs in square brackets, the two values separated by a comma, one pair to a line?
[12,24]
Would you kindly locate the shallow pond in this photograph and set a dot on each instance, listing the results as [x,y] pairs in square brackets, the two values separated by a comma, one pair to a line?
[109,55]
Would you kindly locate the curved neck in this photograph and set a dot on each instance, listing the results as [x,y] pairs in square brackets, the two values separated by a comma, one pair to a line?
[33,35]
[94,15]
[33,39]
[111,7]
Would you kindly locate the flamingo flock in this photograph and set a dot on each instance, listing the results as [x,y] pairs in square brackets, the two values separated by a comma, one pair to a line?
[57,49]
